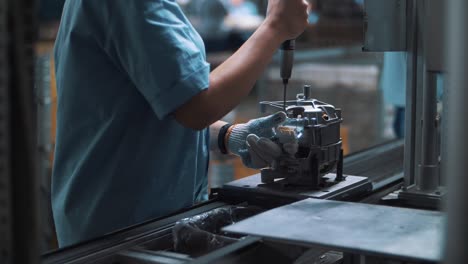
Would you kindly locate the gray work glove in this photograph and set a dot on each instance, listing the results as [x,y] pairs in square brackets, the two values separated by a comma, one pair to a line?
[251,141]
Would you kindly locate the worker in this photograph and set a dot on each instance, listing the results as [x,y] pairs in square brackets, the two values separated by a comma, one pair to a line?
[135,101]
[243,7]
[243,18]
[393,83]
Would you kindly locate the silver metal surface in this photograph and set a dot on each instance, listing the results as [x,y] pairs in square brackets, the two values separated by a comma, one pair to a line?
[403,234]
[387,181]
[253,183]
[385,25]
[140,256]
[456,119]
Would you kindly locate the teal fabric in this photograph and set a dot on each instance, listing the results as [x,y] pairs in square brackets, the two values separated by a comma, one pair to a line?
[122,68]
[393,81]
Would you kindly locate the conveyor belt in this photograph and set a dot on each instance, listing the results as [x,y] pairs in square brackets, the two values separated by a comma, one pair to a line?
[378,163]
[93,250]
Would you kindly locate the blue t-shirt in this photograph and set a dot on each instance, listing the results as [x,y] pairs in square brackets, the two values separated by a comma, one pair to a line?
[122,68]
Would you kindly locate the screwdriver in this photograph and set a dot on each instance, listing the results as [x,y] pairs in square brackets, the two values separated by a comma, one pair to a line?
[286,64]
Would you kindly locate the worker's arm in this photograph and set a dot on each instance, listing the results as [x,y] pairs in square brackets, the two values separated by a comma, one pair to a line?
[234,79]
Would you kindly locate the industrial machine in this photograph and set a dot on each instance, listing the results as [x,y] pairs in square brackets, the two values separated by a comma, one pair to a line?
[312,132]
[315,127]
[416,27]
[311,163]
[279,223]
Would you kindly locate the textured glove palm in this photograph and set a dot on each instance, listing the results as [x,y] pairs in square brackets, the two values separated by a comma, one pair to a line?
[251,141]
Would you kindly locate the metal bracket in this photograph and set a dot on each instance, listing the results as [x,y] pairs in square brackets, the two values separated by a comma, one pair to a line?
[424,199]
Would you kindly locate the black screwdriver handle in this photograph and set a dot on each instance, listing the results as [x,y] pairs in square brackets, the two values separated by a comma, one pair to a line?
[287,59]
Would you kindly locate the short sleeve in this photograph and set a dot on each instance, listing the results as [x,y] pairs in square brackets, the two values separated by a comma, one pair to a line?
[155,44]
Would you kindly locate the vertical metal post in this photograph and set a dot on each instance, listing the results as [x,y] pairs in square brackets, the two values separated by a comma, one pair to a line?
[24,182]
[456,164]
[411,93]
[428,175]
[5,173]
[422,184]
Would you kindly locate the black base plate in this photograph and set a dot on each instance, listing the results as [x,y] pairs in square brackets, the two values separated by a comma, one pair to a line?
[253,187]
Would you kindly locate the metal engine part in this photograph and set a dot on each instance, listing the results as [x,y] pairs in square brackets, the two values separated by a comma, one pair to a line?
[316,126]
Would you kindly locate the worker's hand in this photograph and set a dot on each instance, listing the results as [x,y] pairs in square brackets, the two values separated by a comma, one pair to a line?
[289,18]
[260,152]
[262,128]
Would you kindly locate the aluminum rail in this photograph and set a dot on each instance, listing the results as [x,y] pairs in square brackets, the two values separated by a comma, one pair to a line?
[456,148]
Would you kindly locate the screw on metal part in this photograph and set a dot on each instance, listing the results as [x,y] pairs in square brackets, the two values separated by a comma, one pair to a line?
[306,91]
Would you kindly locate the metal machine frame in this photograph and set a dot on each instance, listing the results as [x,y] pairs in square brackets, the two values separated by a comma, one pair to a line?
[455,144]
[418,30]
[423,184]
[18,181]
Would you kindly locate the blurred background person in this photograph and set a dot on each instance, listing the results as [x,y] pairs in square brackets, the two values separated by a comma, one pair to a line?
[393,84]
[223,24]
